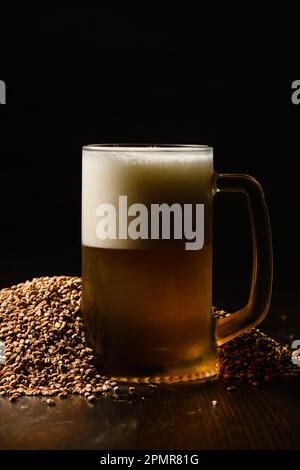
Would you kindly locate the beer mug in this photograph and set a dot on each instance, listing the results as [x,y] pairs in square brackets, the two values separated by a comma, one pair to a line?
[147,260]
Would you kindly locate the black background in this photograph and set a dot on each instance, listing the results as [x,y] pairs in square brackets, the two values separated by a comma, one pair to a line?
[79,74]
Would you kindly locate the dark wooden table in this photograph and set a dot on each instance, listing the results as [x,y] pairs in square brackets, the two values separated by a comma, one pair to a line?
[173,417]
[167,417]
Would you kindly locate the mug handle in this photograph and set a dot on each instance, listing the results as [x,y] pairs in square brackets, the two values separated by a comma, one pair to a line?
[262,259]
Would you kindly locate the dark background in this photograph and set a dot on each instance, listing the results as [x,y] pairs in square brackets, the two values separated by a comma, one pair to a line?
[85,74]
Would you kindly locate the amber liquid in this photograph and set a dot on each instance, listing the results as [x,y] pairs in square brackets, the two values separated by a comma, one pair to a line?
[148,312]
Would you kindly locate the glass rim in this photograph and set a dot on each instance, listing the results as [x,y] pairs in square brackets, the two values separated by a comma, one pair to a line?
[146,147]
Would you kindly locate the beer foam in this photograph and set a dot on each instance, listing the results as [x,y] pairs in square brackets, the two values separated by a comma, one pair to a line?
[146,176]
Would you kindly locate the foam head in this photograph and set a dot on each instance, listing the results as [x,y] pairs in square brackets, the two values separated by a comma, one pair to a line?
[146,175]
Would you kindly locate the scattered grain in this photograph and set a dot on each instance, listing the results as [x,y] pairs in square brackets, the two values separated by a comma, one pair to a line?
[50,402]
[91,398]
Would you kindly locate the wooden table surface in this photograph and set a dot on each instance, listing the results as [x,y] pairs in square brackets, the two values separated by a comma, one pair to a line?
[172,417]
[167,417]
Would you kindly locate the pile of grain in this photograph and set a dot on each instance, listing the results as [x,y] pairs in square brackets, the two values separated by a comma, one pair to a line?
[47,353]
[46,350]
[254,358]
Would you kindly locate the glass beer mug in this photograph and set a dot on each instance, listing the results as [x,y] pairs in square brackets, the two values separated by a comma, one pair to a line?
[147,260]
